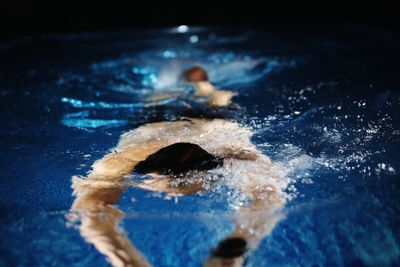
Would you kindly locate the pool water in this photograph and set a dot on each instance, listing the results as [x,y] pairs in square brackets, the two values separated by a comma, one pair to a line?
[326,105]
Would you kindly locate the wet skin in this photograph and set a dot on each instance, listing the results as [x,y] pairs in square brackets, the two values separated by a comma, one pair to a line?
[261,180]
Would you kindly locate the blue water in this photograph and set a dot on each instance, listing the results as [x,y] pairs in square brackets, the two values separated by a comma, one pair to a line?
[325,105]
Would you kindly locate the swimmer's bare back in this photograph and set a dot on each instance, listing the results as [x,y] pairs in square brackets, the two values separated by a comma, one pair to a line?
[221,144]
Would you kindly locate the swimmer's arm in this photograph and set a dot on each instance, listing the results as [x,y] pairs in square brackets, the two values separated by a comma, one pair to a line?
[221,98]
[114,166]
[228,151]
[100,228]
[252,224]
[257,220]
[99,219]
[104,184]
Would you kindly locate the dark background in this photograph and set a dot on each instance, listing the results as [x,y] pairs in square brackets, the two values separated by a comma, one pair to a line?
[21,18]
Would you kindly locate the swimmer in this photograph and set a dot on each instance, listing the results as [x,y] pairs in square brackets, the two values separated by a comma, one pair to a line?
[199,78]
[181,158]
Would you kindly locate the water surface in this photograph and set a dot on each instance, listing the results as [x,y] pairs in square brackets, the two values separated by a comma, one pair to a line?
[326,106]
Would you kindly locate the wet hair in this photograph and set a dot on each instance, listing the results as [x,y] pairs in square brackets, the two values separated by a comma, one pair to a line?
[195,74]
[177,159]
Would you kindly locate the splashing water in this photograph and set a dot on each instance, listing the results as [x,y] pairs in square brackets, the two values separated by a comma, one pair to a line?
[324,107]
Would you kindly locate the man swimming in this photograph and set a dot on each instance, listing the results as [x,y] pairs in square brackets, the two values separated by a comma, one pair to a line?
[204,89]
[199,78]
[179,158]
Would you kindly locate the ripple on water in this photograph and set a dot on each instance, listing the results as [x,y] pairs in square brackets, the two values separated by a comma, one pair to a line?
[318,116]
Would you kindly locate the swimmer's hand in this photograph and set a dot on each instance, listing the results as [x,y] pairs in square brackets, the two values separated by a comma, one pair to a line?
[229,253]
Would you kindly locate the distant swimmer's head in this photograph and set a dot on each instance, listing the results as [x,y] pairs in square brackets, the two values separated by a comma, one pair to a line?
[199,78]
[195,74]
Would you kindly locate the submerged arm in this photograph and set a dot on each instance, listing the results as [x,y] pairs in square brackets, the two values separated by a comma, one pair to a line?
[252,224]
[103,186]
[254,221]
[95,196]
[100,228]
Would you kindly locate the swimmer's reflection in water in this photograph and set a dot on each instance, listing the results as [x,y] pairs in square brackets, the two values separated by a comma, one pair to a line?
[178,158]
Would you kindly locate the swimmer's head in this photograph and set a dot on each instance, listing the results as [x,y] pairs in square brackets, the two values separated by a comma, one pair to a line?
[195,74]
